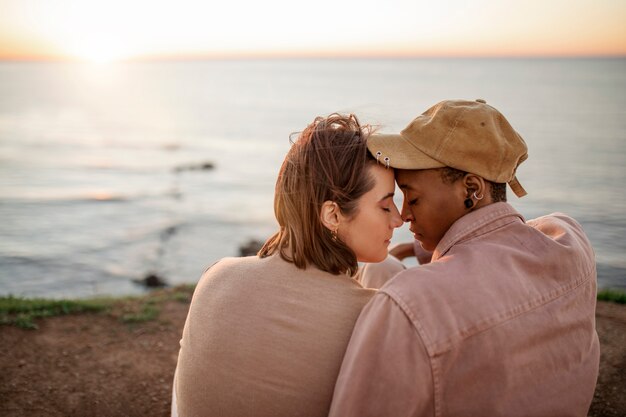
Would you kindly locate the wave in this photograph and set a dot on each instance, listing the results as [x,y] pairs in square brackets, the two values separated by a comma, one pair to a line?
[89,197]
[83,258]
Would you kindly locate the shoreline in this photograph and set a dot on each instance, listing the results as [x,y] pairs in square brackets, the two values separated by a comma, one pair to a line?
[120,360]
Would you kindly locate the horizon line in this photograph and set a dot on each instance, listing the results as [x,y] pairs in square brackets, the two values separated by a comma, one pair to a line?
[304,55]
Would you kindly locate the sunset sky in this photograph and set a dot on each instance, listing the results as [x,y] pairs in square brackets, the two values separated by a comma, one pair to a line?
[115,29]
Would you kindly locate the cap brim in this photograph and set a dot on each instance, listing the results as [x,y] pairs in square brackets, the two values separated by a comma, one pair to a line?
[401,153]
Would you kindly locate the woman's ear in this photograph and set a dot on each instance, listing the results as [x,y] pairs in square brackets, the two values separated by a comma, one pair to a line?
[330,215]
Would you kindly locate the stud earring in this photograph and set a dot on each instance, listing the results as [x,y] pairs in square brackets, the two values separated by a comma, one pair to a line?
[468,203]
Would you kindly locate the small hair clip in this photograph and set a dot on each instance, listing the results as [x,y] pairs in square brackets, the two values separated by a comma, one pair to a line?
[378,154]
[387,160]
[293,137]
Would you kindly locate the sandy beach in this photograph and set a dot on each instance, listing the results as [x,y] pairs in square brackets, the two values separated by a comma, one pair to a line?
[94,364]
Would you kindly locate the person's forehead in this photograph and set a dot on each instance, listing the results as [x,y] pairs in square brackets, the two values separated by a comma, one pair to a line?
[381,174]
[383,184]
[413,179]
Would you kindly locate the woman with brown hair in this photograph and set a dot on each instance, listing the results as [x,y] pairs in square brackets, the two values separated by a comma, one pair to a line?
[265,335]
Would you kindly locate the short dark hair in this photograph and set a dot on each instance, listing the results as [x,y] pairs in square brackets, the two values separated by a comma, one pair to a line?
[328,162]
[451,175]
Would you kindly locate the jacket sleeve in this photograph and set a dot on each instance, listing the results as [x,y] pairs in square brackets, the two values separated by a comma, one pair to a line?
[386,370]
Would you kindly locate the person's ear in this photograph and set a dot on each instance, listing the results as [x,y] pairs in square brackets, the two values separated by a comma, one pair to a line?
[475,190]
[330,215]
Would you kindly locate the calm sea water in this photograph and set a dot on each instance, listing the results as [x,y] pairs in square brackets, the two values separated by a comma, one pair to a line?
[90,197]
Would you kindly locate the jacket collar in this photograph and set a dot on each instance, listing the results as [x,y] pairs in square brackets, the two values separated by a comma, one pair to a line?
[476,223]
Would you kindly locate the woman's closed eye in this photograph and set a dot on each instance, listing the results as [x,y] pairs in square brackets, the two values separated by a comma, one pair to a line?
[386,202]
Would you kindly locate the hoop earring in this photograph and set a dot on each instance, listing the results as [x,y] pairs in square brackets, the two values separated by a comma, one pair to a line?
[478,198]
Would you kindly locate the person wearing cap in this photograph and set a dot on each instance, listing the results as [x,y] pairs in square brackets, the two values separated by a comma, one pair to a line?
[501,321]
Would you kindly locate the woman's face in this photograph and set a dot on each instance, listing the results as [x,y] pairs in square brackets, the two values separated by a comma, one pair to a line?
[368,233]
[430,204]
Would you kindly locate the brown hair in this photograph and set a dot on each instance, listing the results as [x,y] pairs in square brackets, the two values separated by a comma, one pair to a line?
[328,162]
[498,189]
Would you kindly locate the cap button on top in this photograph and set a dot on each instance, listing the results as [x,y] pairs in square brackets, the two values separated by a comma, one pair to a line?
[480,100]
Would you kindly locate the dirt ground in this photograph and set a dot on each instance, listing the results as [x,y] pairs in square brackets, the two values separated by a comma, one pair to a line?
[95,365]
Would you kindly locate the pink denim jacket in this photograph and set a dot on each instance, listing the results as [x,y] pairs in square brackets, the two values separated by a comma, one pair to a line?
[500,323]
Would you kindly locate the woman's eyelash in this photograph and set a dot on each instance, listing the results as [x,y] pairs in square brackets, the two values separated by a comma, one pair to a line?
[412,202]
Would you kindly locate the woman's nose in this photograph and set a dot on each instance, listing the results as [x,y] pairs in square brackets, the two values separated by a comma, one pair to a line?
[396,220]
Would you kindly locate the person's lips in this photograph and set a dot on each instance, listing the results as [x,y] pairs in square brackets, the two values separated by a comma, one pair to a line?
[416,235]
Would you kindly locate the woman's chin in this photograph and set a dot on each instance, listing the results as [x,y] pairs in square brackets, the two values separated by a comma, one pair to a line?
[373,259]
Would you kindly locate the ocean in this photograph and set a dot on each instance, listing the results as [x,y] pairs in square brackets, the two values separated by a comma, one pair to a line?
[101,178]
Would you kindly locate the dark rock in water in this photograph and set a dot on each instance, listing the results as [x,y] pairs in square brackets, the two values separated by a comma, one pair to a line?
[175,194]
[168,232]
[250,248]
[171,146]
[203,166]
[152,281]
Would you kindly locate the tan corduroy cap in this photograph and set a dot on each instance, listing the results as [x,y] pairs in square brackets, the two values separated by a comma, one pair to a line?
[470,136]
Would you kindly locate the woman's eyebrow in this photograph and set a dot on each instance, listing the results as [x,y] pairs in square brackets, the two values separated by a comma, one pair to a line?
[387,196]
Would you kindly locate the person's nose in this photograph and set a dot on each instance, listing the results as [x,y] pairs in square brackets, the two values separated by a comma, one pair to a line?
[396,219]
[406,214]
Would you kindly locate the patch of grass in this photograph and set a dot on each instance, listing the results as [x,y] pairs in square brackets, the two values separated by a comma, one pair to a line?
[141,312]
[183,293]
[615,296]
[23,312]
